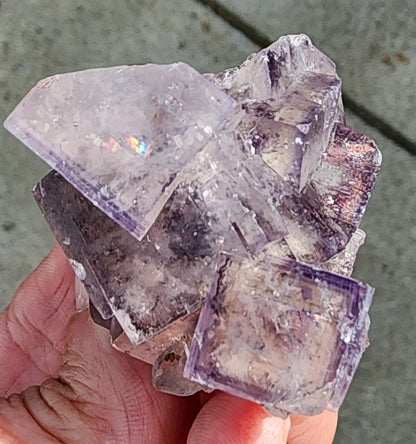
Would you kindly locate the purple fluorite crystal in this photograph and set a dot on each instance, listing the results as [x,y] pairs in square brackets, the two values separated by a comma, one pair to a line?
[280,333]
[246,186]
[122,135]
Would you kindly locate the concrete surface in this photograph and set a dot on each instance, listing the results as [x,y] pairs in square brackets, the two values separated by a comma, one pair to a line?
[374,44]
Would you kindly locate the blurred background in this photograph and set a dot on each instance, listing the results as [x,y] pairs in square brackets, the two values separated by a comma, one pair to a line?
[373,43]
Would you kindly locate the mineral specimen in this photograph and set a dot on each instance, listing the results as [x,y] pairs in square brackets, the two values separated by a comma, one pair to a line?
[206,217]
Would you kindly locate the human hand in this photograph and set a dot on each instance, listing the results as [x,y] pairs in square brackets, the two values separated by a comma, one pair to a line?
[74,387]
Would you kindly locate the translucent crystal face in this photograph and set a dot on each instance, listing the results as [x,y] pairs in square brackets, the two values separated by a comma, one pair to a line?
[279,333]
[162,172]
[146,285]
[122,135]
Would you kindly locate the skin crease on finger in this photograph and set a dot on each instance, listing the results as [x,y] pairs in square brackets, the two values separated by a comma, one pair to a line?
[104,396]
[33,327]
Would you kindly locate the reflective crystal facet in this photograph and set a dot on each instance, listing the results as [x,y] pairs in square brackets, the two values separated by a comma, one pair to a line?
[122,135]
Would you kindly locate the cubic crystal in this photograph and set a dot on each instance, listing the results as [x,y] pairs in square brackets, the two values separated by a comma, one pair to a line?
[122,135]
[280,333]
[146,285]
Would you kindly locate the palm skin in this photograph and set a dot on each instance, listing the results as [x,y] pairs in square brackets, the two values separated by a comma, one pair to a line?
[61,381]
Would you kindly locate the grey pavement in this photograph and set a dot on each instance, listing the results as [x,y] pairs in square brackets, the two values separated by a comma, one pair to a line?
[374,45]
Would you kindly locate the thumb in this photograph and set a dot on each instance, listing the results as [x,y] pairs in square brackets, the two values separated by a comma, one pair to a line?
[32,329]
[231,420]
[318,429]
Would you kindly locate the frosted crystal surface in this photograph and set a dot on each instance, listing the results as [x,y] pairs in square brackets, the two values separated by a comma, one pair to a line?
[280,333]
[343,262]
[236,195]
[146,285]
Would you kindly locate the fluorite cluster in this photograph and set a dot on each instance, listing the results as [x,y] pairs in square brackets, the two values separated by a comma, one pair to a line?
[212,220]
